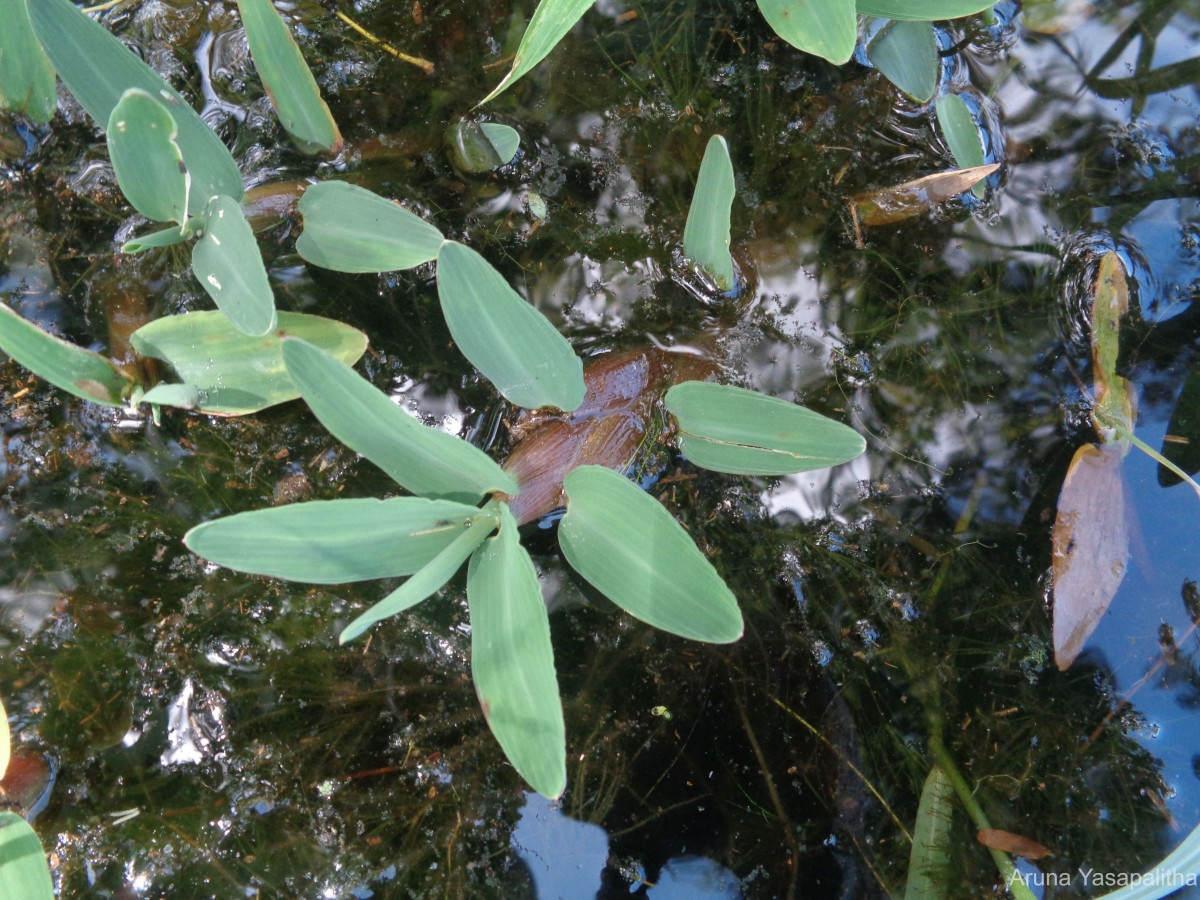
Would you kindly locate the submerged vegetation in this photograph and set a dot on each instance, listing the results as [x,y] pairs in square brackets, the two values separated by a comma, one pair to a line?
[888,675]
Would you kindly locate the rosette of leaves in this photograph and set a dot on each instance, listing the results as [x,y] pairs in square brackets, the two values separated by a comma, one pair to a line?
[616,536]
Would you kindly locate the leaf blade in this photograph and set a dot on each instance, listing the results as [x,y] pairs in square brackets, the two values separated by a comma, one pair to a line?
[1090,547]
[78,371]
[26,76]
[428,580]
[333,541]
[235,373]
[289,83]
[550,23]
[929,859]
[24,871]
[824,28]
[97,69]
[424,460]
[227,263]
[626,544]
[706,234]
[512,344]
[512,659]
[350,229]
[922,10]
[741,432]
[906,53]
[143,147]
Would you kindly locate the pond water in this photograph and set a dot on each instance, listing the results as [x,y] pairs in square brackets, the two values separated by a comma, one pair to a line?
[208,736]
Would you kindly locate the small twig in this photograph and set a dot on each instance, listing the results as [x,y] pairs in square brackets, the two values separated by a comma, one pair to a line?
[423,64]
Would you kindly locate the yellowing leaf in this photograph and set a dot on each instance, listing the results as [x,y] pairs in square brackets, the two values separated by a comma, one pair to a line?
[1091,547]
[1110,301]
[915,197]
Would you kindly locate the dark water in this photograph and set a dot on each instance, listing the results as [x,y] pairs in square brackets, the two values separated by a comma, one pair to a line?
[897,599]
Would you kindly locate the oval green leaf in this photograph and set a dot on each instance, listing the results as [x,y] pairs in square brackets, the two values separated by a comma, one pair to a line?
[334,541]
[425,460]
[922,10]
[512,659]
[504,139]
[428,580]
[906,53]
[290,85]
[78,371]
[730,429]
[512,344]
[351,229]
[97,68]
[824,28]
[237,374]
[622,541]
[961,133]
[550,23]
[26,76]
[24,871]
[959,128]
[706,235]
[229,266]
[146,157]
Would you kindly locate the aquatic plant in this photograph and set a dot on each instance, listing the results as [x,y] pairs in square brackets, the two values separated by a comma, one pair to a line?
[613,534]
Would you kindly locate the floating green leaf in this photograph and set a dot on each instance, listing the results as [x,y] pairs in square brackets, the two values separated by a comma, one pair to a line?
[146,157]
[906,53]
[706,235]
[26,76]
[428,462]
[237,374]
[730,429]
[922,10]
[334,541]
[476,147]
[504,139]
[632,550]
[350,229]
[550,23]
[229,266]
[24,871]
[97,68]
[428,580]
[825,28]
[961,133]
[929,859]
[505,338]
[512,659]
[289,83]
[78,371]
